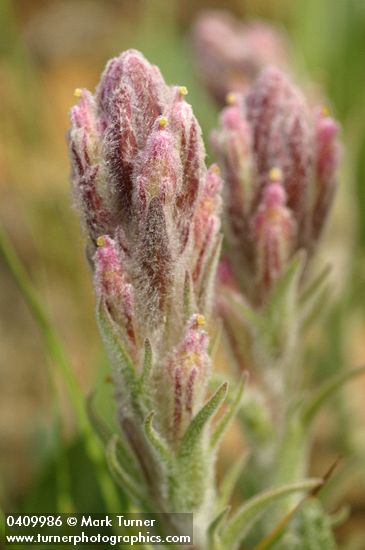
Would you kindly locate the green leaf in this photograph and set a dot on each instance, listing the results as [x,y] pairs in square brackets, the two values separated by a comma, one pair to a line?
[314,296]
[328,390]
[248,316]
[229,414]
[280,314]
[120,359]
[341,516]
[314,287]
[250,512]
[287,285]
[156,440]
[121,476]
[230,480]
[214,540]
[318,307]
[195,429]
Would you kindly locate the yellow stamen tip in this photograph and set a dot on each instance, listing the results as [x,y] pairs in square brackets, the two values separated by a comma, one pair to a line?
[215,169]
[325,110]
[78,92]
[200,320]
[183,90]
[275,174]
[231,98]
[100,241]
[163,122]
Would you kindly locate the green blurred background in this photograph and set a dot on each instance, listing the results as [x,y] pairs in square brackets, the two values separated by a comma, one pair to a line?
[47,49]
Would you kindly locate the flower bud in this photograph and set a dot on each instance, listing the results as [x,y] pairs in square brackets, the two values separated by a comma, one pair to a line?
[88,175]
[112,286]
[207,220]
[327,159]
[185,373]
[273,231]
[230,54]
[282,130]
[130,98]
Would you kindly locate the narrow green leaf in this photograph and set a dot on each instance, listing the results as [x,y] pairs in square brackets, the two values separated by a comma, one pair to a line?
[287,284]
[328,390]
[232,409]
[315,286]
[341,516]
[156,440]
[195,429]
[250,512]
[230,480]
[280,316]
[214,539]
[124,452]
[118,355]
[246,313]
[313,297]
[124,480]
[311,314]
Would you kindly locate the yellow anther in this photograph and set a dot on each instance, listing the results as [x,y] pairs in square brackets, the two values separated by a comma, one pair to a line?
[163,122]
[275,174]
[78,92]
[325,110]
[183,90]
[100,241]
[200,320]
[191,358]
[215,169]
[231,98]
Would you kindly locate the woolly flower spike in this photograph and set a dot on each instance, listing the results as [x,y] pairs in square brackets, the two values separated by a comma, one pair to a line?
[230,54]
[185,370]
[271,135]
[151,211]
[139,177]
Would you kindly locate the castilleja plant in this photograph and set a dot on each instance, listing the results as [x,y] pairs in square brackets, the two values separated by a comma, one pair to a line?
[151,213]
[279,158]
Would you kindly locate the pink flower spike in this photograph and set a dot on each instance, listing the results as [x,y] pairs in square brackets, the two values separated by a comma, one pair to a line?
[278,160]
